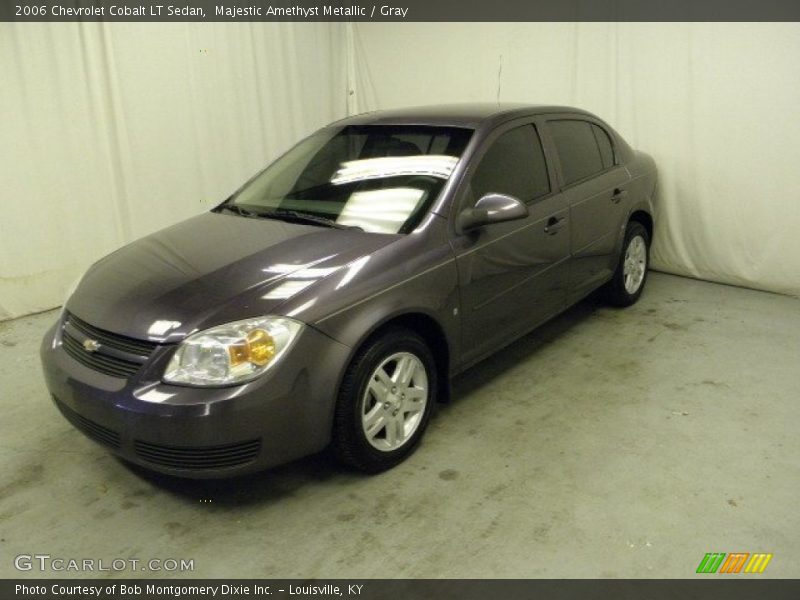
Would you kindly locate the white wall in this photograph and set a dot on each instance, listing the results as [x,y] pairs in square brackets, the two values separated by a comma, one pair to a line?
[111,131]
[716,104]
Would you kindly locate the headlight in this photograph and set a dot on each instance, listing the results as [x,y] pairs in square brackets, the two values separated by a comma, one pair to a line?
[232,353]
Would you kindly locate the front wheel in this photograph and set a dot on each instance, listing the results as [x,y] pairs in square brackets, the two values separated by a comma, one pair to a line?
[629,278]
[385,401]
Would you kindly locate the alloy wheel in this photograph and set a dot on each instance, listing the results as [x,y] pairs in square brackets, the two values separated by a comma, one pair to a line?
[394,402]
[635,264]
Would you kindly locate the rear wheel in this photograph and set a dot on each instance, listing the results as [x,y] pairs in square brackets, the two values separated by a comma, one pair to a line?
[385,401]
[630,276]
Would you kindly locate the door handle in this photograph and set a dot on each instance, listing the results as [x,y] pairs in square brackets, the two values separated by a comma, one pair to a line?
[553,225]
[618,195]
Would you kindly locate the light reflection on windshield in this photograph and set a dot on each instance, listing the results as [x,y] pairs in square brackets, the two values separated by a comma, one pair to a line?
[380,211]
[439,166]
[381,178]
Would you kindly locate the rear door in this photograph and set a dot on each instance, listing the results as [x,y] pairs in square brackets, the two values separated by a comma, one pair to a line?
[512,275]
[594,185]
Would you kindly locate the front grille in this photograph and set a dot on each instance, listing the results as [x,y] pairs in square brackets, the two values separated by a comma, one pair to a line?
[105,360]
[92,430]
[210,457]
[110,365]
[112,340]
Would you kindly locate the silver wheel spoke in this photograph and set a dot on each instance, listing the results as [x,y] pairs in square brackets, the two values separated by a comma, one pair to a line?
[404,371]
[408,414]
[394,434]
[400,427]
[415,395]
[379,385]
[374,421]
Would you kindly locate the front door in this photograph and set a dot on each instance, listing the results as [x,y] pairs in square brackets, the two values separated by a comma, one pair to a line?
[512,275]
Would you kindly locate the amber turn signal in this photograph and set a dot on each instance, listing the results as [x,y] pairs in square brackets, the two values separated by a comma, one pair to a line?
[257,348]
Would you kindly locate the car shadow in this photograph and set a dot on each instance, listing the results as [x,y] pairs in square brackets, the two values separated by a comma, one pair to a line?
[524,348]
[272,485]
[283,482]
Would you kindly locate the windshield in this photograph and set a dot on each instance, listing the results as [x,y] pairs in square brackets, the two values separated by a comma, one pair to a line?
[379,178]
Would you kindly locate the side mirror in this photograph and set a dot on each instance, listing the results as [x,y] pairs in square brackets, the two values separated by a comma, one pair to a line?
[491,208]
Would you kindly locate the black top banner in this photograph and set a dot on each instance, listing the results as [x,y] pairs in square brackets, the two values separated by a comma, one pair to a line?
[400,10]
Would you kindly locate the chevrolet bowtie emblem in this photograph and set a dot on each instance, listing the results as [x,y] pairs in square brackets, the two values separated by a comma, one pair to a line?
[91,345]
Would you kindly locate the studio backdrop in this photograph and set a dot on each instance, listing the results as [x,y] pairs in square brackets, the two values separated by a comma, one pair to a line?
[715,104]
[112,131]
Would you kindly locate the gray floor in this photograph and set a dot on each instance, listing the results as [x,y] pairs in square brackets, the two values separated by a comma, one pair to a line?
[607,444]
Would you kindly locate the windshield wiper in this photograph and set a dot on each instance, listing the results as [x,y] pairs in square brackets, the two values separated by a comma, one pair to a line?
[287,215]
[235,208]
[301,217]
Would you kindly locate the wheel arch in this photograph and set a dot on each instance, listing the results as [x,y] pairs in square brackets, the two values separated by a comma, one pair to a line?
[430,330]
[646,220]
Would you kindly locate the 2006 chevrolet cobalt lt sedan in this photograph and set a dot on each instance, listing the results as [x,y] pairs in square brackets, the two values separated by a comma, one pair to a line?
[332,297]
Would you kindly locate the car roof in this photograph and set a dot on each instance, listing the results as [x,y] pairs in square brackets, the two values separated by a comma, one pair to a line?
[454,115]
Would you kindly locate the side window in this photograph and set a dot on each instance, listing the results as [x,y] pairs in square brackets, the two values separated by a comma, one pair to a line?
[604,143]
[577,149]
[513,165]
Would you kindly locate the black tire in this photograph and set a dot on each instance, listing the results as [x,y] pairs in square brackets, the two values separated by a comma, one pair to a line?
[615,291]
[350,441]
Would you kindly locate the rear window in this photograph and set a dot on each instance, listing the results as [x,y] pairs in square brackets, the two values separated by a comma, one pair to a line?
[578,150]
[604,143]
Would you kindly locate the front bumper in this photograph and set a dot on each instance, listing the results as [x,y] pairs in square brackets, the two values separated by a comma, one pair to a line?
[203,432]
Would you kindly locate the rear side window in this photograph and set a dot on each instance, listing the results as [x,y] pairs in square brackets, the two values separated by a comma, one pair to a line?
[577,148]
[513,165]
[604,143]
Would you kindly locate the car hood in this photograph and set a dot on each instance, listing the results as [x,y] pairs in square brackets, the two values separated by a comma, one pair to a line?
[211,269]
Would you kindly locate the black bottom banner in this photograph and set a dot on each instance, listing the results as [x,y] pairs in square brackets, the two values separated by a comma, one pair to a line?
[375,589]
